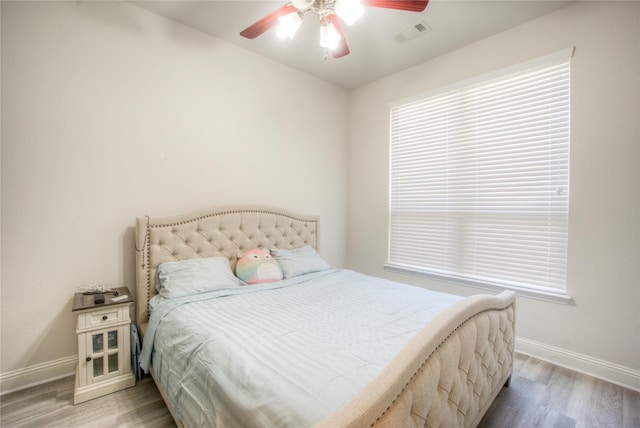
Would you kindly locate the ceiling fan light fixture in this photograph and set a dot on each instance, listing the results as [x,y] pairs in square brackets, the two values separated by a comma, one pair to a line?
[330,13]
[289,25]
[348,10]
[329,36]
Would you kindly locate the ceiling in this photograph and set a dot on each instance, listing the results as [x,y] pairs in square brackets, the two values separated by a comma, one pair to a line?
[375,52]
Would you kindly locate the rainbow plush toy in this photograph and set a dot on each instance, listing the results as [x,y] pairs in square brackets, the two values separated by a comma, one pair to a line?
[256,266]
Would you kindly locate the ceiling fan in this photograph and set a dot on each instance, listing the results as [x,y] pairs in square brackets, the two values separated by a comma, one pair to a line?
[332,37]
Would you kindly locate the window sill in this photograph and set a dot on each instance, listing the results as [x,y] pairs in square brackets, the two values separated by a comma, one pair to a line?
[547,296]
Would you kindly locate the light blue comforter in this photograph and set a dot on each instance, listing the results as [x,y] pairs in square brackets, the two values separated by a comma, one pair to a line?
[283,354]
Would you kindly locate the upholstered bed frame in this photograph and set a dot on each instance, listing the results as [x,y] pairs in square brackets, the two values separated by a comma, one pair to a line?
[448,375]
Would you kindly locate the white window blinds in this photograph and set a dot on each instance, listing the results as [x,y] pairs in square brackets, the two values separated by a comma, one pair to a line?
[479,180]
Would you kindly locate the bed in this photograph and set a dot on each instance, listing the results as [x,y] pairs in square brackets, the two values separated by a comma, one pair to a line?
[444,368]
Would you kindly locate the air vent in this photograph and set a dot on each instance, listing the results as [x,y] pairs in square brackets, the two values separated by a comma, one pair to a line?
[412,32]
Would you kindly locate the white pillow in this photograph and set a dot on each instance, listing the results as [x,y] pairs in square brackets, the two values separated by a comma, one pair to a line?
[176,279]
[299,261]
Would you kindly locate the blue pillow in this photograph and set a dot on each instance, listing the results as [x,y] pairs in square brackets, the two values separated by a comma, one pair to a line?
[299,261]
[181,278]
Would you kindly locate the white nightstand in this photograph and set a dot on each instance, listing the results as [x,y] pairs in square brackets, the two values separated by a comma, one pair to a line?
[104,346]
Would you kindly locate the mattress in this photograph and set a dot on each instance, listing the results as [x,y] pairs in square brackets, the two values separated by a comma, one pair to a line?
[283,354]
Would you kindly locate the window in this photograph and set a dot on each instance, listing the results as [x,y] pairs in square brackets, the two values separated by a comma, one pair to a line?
[479,180]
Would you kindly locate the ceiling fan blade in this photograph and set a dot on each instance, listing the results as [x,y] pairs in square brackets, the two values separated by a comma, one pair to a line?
[253,31]
[342,49]
[409,5]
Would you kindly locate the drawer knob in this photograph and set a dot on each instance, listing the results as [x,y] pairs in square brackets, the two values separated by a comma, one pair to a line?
[104,318]
[88,359]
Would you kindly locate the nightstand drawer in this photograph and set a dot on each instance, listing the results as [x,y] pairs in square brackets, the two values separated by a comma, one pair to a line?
[103,318]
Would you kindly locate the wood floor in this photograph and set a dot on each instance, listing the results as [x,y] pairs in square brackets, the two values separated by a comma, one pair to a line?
[544,395]
[540,395]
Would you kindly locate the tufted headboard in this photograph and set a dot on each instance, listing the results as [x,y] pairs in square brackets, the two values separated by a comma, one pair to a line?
[210,233]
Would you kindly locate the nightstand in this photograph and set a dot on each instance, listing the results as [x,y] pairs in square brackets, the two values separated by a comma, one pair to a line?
[104,345]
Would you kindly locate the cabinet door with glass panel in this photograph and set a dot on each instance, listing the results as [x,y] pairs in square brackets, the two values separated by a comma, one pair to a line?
[103,358]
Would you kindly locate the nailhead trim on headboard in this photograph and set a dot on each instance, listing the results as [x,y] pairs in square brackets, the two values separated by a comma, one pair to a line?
[212,233]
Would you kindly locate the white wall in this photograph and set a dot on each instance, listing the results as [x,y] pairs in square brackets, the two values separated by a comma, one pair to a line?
[110,112]
[600,331]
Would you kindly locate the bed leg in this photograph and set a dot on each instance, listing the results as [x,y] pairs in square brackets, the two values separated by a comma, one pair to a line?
[508,382]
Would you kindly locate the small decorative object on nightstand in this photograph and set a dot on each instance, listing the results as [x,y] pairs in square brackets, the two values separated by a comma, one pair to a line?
[104,344]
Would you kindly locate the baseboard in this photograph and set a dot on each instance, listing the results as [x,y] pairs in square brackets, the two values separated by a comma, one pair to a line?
[16,380]
[601,369]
